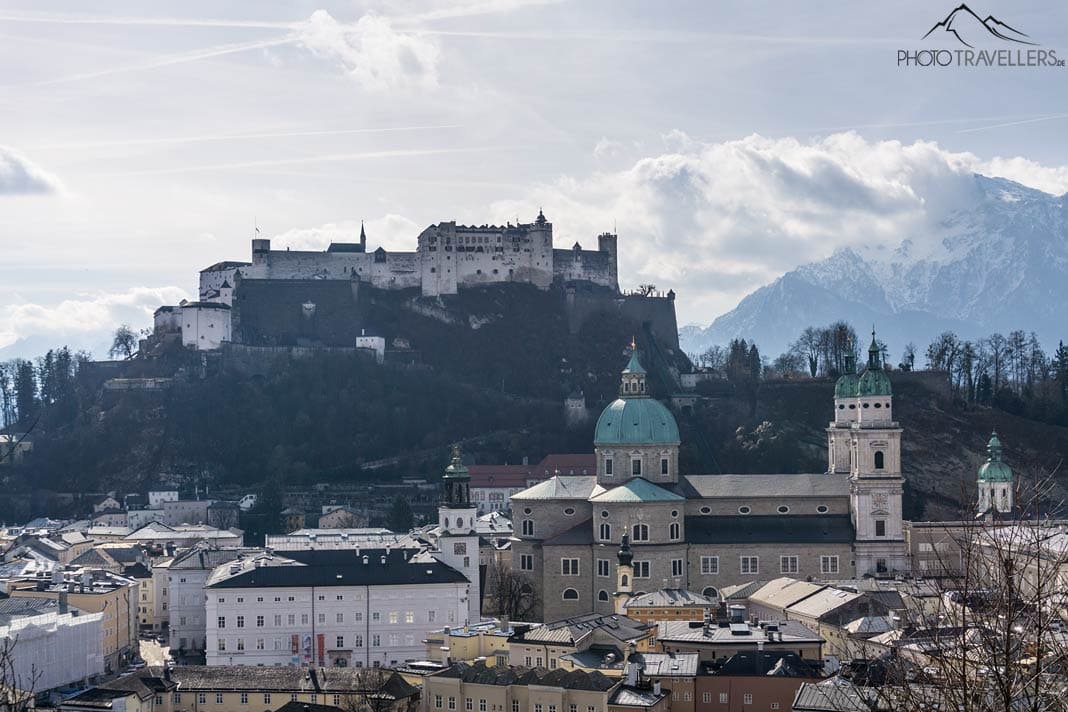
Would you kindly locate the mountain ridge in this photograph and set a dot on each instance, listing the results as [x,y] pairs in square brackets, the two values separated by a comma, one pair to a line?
[999,263]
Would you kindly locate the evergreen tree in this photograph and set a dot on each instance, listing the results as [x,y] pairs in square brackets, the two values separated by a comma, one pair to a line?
[400,517]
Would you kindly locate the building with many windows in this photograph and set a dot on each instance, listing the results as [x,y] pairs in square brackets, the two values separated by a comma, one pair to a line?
[703,532]
[330,608]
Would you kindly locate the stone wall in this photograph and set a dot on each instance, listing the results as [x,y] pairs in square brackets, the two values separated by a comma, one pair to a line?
[298,312]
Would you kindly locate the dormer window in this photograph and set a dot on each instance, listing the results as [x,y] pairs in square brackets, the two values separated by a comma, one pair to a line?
[636,467]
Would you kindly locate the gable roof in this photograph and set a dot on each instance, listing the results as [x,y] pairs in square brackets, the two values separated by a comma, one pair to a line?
[637,490]
[562,487]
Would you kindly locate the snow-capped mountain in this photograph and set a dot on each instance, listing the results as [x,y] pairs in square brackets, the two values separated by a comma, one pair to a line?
[998,264]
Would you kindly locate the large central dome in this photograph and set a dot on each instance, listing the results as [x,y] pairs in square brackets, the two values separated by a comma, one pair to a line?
[634,418]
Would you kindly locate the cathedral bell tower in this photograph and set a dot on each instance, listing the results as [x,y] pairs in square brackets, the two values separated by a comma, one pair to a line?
[624,575]
[875,480]
[457,539]
[996,493]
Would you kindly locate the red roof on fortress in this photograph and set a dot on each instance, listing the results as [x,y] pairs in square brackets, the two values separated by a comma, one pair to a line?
[522,475]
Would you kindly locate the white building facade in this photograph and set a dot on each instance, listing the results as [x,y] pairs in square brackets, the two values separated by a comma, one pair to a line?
[335,608]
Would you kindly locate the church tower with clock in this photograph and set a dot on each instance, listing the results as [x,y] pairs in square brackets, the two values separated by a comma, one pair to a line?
[865,440]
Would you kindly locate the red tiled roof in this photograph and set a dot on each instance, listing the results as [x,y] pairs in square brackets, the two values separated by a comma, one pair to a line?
[520,475]
[499,475]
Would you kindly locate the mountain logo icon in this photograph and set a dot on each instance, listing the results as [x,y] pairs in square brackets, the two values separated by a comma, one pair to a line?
[967,27]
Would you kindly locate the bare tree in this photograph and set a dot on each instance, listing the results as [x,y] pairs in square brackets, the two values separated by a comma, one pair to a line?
[647,290]
[17,682]
[990,634]
[124,342]
[509,593]
[371,692]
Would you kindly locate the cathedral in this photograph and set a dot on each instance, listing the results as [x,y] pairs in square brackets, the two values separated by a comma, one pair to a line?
[703,532]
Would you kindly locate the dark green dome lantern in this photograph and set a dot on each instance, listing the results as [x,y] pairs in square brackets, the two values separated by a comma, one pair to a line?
[874,381]
[456,483]
[846,385]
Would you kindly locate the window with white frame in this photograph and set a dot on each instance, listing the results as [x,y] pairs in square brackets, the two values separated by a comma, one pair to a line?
[640,532]
[604,567]
[828,564]
[788,564]
[674,531]
[747,698]
[569,567]
[709,565]
[749,564]
[636,467]
[608,467]
[605,531]
[526,562]
[677,567]
[641,569]
[528,527]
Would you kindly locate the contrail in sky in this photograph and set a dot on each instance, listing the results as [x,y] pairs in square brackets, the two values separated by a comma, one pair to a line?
[239,137]
[330,157]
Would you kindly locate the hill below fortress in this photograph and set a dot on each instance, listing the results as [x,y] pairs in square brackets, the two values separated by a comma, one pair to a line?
[491,367]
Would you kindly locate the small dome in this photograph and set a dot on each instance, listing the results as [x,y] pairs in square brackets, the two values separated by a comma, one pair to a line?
[994,470]
[636,421]
[846,386]
[873,382]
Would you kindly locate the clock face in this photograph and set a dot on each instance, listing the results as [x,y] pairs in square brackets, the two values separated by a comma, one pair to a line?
[880,501]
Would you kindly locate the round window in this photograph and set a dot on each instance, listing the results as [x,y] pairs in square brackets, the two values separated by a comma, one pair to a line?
[528,510]
[744,510]
[569,511]
[878,405]
[822,509]
[674,513]
[706,510]
[783,509]
[604,514]
[887,405]
[866,405]
[852,406]
[841,406]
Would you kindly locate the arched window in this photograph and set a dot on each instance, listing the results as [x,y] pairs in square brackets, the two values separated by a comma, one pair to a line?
[880,460]
[710,592]
[602,595]
[641,532]
[606,531]
[624,581]
[674,530]
[570,594]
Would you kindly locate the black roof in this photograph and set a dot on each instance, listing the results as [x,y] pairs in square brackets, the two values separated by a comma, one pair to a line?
[479,673]
[345,247]
[342,568]
[294,706]
[771,529]
[772,663]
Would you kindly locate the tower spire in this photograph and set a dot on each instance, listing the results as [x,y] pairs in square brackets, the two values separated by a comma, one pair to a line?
[363,237]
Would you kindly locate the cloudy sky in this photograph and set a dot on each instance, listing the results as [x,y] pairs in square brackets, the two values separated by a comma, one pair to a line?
[727,142]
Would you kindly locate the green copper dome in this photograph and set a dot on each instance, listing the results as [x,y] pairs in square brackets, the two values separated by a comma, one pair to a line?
[636,421]
[846,385]
[994,470]
[634,418]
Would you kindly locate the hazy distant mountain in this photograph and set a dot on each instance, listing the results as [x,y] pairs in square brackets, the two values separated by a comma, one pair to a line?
[997,265]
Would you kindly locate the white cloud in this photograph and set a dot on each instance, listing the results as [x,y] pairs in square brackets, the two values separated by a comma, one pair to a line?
[717,220]
[376,56]
[90,315]
[20,176]
[1051,179]
[393,232]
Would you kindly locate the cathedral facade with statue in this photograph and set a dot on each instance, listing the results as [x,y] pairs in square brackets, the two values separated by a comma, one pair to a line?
[702,532]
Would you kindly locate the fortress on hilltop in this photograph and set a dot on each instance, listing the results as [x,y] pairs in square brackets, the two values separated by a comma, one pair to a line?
[321,298]
[447,258]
